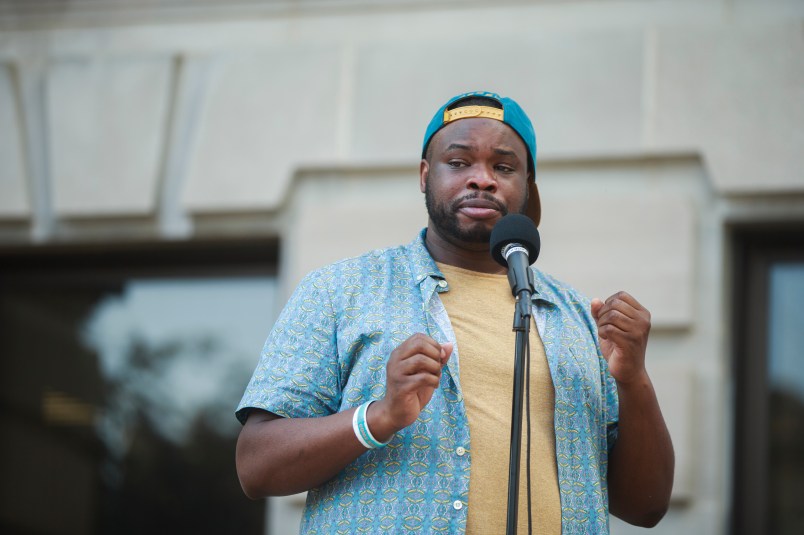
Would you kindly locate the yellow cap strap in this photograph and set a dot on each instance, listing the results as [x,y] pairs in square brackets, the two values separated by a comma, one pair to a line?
[473,111]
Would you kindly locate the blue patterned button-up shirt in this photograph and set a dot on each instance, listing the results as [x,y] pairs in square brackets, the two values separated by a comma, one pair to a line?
[327,353]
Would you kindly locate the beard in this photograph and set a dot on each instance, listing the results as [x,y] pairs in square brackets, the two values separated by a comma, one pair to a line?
[445,216]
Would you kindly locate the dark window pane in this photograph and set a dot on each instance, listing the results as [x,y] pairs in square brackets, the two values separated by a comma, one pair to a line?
[117,399]
[786,390]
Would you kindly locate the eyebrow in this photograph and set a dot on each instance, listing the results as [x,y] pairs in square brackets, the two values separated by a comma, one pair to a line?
[461,146]
[504,152]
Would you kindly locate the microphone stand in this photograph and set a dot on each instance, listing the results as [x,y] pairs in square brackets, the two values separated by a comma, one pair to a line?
[522,315]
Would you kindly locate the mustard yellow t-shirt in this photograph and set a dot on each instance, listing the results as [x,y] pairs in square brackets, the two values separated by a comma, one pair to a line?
[481,310]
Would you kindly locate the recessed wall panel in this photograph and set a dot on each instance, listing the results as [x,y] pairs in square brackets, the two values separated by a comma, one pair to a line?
[107,125]
[267,114]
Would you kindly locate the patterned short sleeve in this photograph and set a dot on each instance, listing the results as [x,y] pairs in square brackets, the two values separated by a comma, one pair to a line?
[611,399]
[611,404]
[297,374]
[612,410]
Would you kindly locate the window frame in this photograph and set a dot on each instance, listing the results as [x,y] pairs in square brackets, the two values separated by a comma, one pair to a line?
[755,249]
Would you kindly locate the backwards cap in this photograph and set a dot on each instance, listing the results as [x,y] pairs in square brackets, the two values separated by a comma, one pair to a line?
[510,113]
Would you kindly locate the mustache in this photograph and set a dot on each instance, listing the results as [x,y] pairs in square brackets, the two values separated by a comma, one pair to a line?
[480,195]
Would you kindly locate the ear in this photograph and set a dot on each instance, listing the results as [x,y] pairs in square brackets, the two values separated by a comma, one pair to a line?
[424,172]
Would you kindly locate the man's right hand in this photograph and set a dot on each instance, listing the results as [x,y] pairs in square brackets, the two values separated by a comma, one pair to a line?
[413,373]
[278,456]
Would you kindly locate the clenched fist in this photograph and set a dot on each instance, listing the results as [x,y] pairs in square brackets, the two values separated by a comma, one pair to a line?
[413,373]
[623,326]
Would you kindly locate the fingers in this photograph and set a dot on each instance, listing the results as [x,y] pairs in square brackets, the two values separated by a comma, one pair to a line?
[413,373]
[597,304]
[621,317]
[623,325]
[446,351]
[625,303]
[613,332]
[420,364]
[619,305]
[421,345]
[617,319]
[417,362]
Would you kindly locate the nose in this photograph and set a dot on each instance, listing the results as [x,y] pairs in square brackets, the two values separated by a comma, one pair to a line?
[483,179]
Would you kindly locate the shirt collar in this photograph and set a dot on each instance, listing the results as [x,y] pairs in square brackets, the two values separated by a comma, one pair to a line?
[423,267]
[543,292]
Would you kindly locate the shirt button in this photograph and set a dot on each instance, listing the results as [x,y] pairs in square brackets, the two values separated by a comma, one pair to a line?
[457,505]
[460,450]
[442,283]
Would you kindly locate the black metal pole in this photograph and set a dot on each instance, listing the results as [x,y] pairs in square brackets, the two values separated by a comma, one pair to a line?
[522,315]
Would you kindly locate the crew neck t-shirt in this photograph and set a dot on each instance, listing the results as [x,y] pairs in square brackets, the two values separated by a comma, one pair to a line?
[481,310]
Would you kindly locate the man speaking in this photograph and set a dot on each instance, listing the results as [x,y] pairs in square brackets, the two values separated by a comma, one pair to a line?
[384,388]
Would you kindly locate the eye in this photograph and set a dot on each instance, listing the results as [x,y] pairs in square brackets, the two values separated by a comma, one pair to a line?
[457,164]
[504,168]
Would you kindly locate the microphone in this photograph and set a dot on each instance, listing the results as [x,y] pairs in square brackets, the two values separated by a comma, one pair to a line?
[515,244]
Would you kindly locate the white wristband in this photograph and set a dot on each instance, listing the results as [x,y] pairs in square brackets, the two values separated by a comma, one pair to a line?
[361,429]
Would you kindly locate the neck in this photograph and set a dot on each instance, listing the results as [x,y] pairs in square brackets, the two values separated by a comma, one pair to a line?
[466,255]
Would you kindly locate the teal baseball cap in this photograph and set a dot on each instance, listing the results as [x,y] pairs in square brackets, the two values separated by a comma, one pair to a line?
[508,112]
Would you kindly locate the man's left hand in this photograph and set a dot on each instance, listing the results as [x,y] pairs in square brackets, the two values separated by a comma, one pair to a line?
[623,326]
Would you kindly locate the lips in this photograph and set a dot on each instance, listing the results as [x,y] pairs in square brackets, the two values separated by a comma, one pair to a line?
[480,208]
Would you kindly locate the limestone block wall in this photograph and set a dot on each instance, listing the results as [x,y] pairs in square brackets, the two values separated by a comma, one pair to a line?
[659,124]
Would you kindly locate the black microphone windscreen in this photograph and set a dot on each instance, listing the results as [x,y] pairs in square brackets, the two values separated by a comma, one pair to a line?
[514,228]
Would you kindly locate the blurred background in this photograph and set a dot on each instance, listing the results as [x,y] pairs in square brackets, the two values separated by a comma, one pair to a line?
[169,170]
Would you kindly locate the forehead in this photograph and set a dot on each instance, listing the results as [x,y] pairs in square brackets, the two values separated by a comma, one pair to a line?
[479,133]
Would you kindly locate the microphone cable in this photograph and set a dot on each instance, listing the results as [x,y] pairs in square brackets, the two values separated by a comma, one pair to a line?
[527,430]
